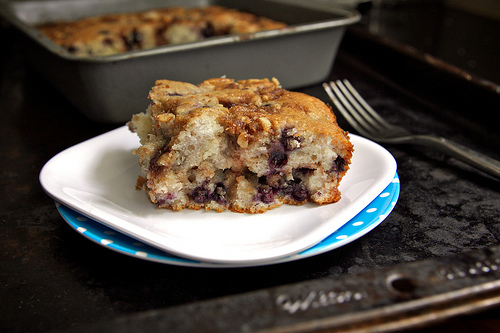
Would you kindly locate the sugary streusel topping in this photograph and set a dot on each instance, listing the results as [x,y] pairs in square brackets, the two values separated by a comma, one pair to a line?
[245,146]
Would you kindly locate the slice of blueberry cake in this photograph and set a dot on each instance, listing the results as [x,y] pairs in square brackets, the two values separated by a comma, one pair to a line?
[245,146]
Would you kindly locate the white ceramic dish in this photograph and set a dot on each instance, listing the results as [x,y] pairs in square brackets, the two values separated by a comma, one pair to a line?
[364,222]
[97,178]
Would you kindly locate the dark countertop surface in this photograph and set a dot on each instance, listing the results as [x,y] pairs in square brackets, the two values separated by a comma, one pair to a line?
[53,279]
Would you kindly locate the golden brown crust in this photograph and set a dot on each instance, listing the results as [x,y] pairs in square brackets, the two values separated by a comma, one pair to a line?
[246,146]
[118,33]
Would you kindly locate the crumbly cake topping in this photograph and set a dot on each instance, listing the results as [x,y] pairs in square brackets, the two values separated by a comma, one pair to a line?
[118,33]
[246,146]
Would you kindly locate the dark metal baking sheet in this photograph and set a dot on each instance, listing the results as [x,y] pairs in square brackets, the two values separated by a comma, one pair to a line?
[405,296]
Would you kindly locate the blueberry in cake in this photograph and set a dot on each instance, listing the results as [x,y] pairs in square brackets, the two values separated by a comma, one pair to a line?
[118,33]
[245,146]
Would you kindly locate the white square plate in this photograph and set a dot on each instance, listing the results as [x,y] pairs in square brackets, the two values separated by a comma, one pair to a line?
[97,179]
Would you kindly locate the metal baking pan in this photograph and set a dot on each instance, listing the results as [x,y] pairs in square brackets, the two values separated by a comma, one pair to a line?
[112,88]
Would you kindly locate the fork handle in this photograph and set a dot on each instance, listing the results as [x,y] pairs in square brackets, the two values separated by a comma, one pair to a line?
[467,155]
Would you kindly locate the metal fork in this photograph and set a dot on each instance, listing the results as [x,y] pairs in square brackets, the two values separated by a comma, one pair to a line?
[370,124]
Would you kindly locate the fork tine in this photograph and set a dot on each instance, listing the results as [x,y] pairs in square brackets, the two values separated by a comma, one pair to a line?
[369,113]
[357,116]
[343,110]
[356,110]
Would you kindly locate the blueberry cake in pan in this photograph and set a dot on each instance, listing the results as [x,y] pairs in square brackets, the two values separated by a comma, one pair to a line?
[119,33]
[245,146]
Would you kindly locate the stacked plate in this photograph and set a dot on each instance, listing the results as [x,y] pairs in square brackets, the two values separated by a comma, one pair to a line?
[93,186]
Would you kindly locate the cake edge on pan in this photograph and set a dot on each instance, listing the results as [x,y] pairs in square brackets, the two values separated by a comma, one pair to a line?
[122,32]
